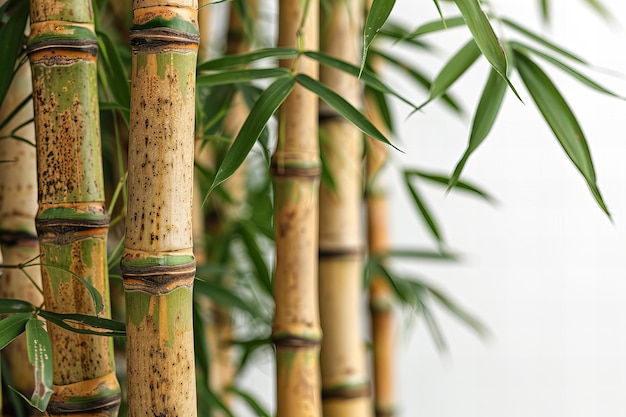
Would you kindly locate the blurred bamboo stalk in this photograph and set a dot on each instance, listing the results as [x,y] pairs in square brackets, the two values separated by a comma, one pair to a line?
[72,221]
[296,171]
[345,383]
[158,265]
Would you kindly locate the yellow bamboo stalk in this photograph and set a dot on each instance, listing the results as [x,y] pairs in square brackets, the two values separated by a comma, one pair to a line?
[158,264]
[18,206]
[345,379]
[72,220]
[296,169]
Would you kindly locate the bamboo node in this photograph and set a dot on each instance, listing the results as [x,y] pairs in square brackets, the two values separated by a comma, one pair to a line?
[99,396]
[347,392]
[295,342]
[158,279]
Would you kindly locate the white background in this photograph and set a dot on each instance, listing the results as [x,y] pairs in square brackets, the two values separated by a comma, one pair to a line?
[544,269]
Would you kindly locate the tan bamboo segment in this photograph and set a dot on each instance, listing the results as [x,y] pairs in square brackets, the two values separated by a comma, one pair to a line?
[158,265]
[18,206]
[380,292]
[345,381]
[296,170]
[72,220]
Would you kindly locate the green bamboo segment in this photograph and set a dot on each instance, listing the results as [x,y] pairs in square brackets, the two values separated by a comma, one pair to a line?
[296,171]
[158,265]
[18,207]
[345,381]
[72,220]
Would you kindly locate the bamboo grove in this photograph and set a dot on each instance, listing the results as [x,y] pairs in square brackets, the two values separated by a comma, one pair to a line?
[233,198]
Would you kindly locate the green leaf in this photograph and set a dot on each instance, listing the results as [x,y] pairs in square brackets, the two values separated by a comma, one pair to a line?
[452,71]
[251,401]
[341,106]
[247,58]
[436,26]
[545,10]
[378,100]
[240,76]
[561,120]
[369,79]
[458,312]
[12,305]
[484,35]
[116,72]
[568,69]
[423,208]
[262,273]
[419,254]
[83,324]
[40,357]
[376,17]
[445,180]
[265,106]
[12,35]
[11,327]
[225,297]
[484,118]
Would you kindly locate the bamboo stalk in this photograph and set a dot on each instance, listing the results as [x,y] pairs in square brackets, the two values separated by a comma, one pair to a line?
[18,206]
[72,220]
[344,366]
[296,169]
[380,292]
[158,264]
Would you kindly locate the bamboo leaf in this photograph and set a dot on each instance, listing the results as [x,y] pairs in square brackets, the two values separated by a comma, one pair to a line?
[434,329]
[262,273]
[265,106]
[95,294]
[561,120]
[545,10]
[117,74]
[423,209]
[40,357]
[369,79]
[379,101]
[484,118]
[458,312]
[400,34]
[484,35]
[251,401]
[376,17]
[225,297]
[240,76]
[419,254]
[436,26]
[230,61]
[12,305]
[452,71]
[83,324]
[11,327]
[12,35]
[568,69]
[341,106]
[445,180]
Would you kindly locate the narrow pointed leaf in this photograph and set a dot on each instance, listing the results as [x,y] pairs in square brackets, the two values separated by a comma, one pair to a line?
[247,58]
[369,79]
[95,294]
[80,323]
[379,101]
[341,106]
[11,327]
[12,305]
[251,401]
[561,120]
[436,26]
[423,209]
[434,329]
[545,10]
[419,254]
[40,357]
[225,297]
[483,34]
[117,74]
[452,71]
[12,34]
[240,76]
[568,69]
[376,17]
[267,103]
[484,118]
[459,312]
[460,185]
[262,273]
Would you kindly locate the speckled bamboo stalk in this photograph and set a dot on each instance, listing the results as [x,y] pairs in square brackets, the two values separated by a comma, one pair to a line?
[296,171]
[380,293]
[72,220]
[18,206]
[158,264]
[345,382]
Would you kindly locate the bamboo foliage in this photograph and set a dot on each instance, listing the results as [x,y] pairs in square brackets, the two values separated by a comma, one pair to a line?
[345,382]
[296,169]
[158,264]
[72,220]
[18,206]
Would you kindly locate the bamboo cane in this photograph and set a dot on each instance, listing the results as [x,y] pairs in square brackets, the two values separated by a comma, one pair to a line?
[72,220]
[18,206]
[345,381]
[380,293]
[158,264]
[296,169]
